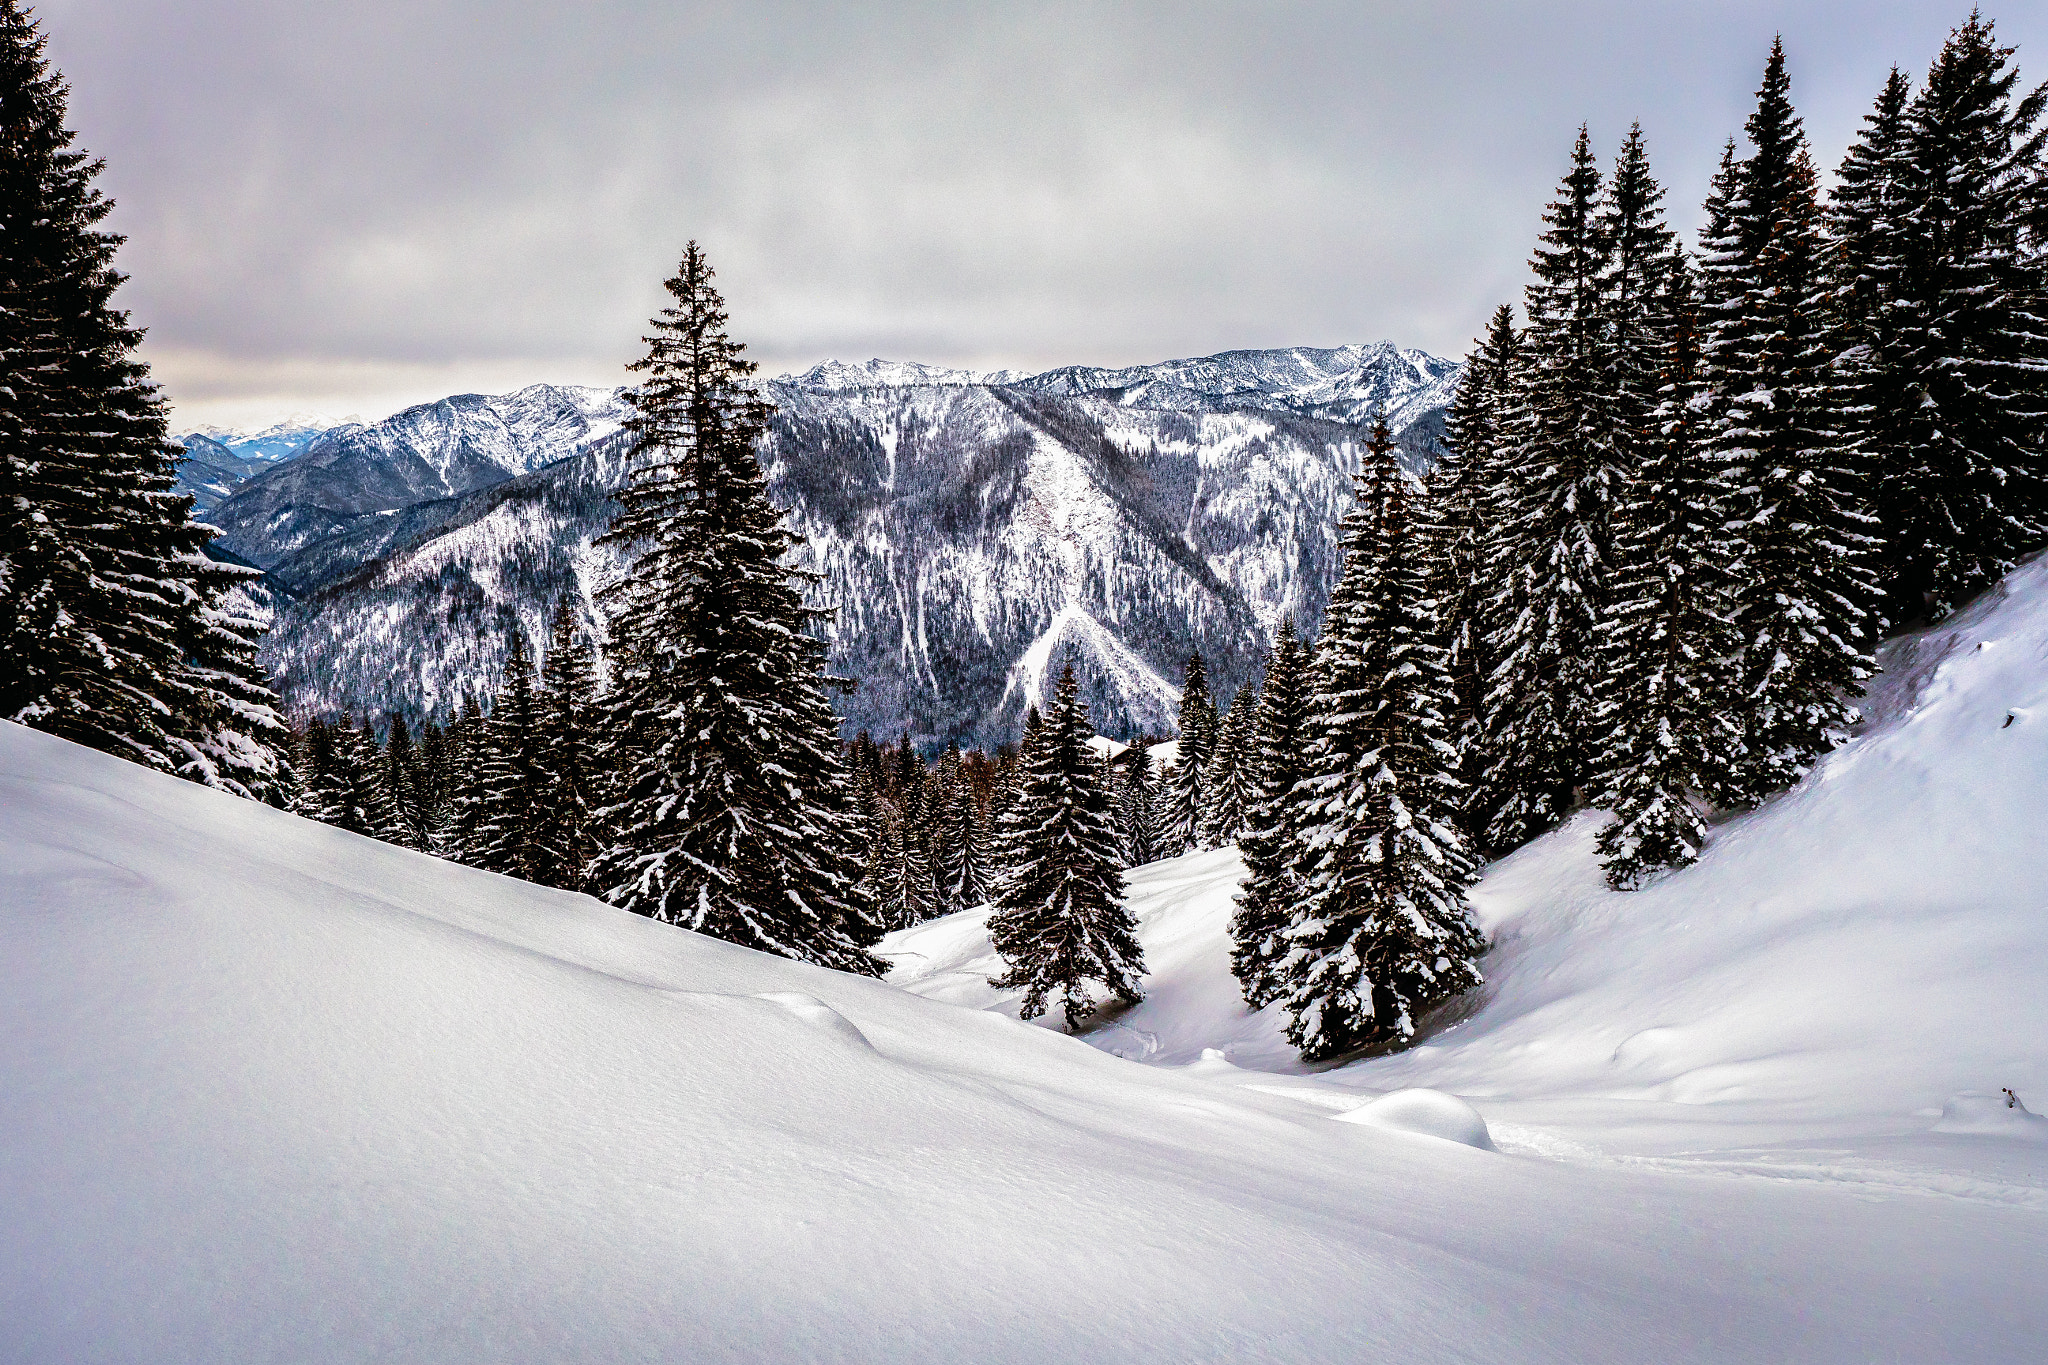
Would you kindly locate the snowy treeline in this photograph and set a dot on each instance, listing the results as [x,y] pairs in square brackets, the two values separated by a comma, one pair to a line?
[1686,500]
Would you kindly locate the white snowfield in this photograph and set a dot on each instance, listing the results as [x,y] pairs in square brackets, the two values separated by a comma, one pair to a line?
[271,1092]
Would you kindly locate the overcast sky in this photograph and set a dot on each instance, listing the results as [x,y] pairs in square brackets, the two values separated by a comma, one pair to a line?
[343,208]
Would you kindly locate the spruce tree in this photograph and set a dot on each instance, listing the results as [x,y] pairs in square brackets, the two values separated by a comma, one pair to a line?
[1137,791]
[1181,803]
[1552,560]
[1947,283]
[737,817]
[320,790]
[970,867]
[568,834]
[1269,846]
[513,833]
[1228,790]
[1803,601]
[1380,931]
[403,787]
[468,807]
[1471,488]
[1668,706]
[114,626]
[1060,922]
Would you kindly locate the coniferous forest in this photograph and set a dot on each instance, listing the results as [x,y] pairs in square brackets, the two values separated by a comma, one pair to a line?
[1682,497]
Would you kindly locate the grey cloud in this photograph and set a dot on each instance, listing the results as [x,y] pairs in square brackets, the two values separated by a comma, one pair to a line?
[347,206]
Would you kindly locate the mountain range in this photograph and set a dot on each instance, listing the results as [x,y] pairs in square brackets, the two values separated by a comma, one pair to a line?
[970,529]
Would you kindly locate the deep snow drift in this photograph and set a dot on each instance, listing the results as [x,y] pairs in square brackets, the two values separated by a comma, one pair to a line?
[271,1092]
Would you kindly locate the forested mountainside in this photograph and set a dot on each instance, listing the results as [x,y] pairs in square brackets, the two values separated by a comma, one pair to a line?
[968,528]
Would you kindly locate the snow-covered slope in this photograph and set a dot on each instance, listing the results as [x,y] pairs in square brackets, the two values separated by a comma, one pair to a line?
[1839,992]
[969,531]
[277,1093]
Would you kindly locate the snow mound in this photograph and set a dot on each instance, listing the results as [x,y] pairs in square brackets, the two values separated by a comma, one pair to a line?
[1430,1113]
[817,1014]
[1994,1113]
[275,1092]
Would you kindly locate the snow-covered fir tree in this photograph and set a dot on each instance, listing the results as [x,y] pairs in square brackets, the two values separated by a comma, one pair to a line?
[1181,798]
[1669,705]
[1470,489]
[736,816]
[113,624]
[405,786]
[1380,931]
[1228,792]
[1268,845]
[1803,599]
[568,837]
[1136,794]
[1945,280]
[514,778]
[942,793]
[970,867]
[468,807]
[1060,922]
[1551,562]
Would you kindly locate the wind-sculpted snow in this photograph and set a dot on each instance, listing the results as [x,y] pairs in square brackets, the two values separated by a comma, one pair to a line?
[275,1092]
[969,531]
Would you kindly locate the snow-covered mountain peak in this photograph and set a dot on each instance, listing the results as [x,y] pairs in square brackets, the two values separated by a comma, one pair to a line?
[833,376]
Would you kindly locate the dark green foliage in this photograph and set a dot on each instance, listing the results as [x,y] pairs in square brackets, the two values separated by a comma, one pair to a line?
[1136,794]
[115,630]
[1803,599]
[1380,931]
[1470,490]
[735,817]
[1060,923]
[1942,210]
[407,789]
[513,778]
[571,782]
[1669,708]
[1550,566]
[1180,804]
[1227,793]
[1269,846]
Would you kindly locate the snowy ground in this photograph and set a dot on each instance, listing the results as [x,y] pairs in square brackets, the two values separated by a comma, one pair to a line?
[269,1092]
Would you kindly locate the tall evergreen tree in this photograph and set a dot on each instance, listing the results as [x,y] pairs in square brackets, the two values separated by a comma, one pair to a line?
[466,830]
[737,817]
[1269,846]
[1060,922]
[1180,805]
[1471,491]
[1947,280]
[114,626]
[568,836]
[970,867]
[515,780]
[1552,561]
[404,787]
[1136,793]
[1668,707]
[1229,788]
[1380,932]
[1804,598]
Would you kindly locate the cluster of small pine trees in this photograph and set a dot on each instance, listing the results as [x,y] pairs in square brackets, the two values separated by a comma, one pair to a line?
[515,791]
[116,630]
[1683,504]
[929,850]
